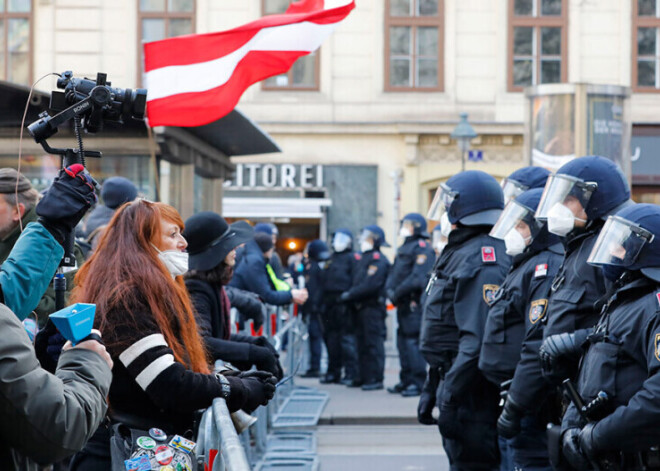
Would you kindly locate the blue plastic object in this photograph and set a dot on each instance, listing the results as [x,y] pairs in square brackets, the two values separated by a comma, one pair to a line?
[75,322]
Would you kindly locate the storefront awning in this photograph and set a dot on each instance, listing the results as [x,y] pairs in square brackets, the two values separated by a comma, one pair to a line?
[294,208]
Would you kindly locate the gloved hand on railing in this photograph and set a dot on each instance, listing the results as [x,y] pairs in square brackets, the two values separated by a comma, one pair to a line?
[265,359]
[66,201]
[260,388]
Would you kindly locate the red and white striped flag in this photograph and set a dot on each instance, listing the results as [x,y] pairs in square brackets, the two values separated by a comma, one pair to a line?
[194,80]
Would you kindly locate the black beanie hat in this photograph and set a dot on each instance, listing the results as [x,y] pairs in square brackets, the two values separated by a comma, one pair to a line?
[264,241]
[117,191]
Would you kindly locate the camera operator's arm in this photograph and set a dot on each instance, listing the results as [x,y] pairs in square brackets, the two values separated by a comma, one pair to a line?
[26,274]
[47,417]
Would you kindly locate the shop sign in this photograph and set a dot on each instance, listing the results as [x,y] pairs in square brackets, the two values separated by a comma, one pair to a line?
[277,176]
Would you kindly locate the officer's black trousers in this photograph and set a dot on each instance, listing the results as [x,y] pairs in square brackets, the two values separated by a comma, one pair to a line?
[333,318]
[315,331]
[477,448]
[413,366]
[349,344]
[371,342]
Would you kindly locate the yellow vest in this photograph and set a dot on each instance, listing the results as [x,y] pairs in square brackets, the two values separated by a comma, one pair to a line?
[277,283]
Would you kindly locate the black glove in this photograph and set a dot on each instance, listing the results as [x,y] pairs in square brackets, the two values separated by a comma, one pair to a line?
[572,452]
[391,296]
[264,342]
[66,201]
[558,346]
[508,424]
[344,297]
[264,360]
[260,388]
[428,398]
[48,346]
[448,420]
[587,441]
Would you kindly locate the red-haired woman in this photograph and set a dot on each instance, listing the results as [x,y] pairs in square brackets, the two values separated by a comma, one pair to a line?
[160,375]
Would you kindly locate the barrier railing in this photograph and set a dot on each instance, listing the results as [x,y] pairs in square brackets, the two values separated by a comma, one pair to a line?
[220,447]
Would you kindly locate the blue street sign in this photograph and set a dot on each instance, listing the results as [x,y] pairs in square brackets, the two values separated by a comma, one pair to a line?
[476,155]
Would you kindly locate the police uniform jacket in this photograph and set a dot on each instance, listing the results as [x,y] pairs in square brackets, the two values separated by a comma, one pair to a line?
[577,286]
[338,273]
[313,283]
[369,277]
[522,299]
[410,271]
[623,360]
[466,277]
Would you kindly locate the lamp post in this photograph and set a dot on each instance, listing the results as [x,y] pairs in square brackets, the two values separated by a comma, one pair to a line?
[463,132]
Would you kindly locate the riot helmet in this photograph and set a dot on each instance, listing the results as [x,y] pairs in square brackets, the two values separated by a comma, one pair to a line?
[342,240]
[372,237]
[522,180]
[412,224]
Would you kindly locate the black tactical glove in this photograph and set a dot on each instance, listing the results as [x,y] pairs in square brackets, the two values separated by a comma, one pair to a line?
[572,451]
[66,201]
[264,360]
[264,342]
[260,388]
[560,348]
[391,296]
[508,424]
[427,399]
[448,420]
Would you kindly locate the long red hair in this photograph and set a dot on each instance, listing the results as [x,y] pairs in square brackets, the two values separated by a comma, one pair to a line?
[124,270]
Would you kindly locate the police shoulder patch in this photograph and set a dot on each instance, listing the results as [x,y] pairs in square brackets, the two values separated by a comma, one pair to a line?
[657,346]
[372,270]
[488,255]
[489,293]
[537,310]
[422,243]
[421,259]
[541,270]
[357,256]
[376,256]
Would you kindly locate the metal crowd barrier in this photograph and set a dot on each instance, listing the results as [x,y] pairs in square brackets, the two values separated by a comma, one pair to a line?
[281,438]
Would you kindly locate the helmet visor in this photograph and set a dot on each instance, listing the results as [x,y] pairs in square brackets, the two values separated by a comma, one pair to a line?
[619,243]
[514,214]
[341,242]
[444,197]
[512,189]
[559,189]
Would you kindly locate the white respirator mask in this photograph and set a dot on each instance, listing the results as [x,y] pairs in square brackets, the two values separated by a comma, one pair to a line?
[515,242]
[175,261]
[561,220]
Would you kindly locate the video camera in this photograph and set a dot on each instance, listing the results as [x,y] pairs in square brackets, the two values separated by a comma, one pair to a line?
[92,101]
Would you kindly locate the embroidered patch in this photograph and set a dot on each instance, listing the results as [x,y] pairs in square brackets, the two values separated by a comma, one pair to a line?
[376,256]
[372,270]
[422,243]
[657,347]
[537,310]
[357,256]
[541,270]
[657,296]
[421,259]
[488,254]
[489,293]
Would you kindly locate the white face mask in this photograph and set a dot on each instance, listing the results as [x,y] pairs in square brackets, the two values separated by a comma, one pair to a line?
[404,232]
[561,220]
[515,242]
[366,246]
[340,245]
[445,225]
[175,261]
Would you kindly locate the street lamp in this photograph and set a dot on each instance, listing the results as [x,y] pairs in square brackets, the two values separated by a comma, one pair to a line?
[463,132]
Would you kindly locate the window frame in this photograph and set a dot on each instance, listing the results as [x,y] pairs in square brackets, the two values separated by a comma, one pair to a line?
[160,15]
[644,22]
[415,22]
[537,22]
[292,88]
[7,15]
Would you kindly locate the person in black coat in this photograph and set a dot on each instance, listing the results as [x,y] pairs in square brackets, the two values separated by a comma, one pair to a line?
[211,248]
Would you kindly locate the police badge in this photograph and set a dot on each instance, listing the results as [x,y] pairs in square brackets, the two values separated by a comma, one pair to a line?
[489,293]
[657,347]
[537,310]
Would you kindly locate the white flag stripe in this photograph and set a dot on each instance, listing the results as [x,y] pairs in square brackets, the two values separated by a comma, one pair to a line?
[203,76]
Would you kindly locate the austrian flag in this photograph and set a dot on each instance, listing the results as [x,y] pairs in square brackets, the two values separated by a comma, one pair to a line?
[194,80]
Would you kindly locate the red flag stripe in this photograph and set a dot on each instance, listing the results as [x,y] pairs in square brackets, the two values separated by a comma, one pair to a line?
[192,49]
[198,109]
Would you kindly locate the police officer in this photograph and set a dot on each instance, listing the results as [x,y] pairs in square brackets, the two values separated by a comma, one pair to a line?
[405,283]
[466,277]
[317,254]
[575,203]
[519,304]
[522,180]
[368,296]
[339,320]
[619,378]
